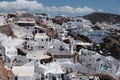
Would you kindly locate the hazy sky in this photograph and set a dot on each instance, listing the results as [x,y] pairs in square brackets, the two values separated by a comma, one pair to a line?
[68,7]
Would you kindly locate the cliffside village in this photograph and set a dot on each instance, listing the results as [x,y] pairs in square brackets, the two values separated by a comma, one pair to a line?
[36,48]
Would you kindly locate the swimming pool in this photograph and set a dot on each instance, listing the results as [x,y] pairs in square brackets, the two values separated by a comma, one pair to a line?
[105,68]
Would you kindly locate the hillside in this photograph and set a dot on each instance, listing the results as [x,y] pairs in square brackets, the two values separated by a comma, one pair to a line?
[50,32]
[103,17]
[5,29]
[111,45]
[60,20]
[5,74]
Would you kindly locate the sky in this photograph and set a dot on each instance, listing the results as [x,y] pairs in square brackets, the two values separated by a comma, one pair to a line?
[66,7]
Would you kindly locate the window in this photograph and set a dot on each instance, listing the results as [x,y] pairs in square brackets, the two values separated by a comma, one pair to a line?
[78,20]
[29,60]
[35,31]
[89,64]
[89,59]
[61,48]
[89,53]
[42,46]
[16,77]
[84,54]
[69,23]
[46,39]
[31,48]
[83,59]
[91,79]
[25,38]
[49,39]
[28,46]
[73,20]
[66,49]
[46,76]
[25,42]
[73,49]
[59,76]
[27,28]
[98,59]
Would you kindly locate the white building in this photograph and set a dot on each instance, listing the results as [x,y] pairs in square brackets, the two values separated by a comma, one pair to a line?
[28,71]
[10,45]
[54,71]
[37,55]
[79,22]
[25,22]
[2,19]
[85,78]
[24,72]
[20,13]
[99,63]
[59,46]
[11,52]
[43,40]
[87,59]
[80,44]
[42,16]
